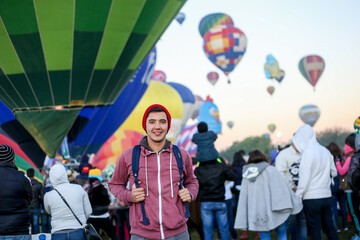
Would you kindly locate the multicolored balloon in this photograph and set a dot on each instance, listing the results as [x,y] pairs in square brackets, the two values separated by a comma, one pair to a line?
[311,67]
[212,20]
[225,46]
[230,124]
[180,17]
[357,124]
[184,140]
[159,76]
[272,69]
[213,77]
[309,114]
[271,127]
[270,90]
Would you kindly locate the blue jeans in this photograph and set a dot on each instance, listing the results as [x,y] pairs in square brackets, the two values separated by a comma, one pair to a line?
[341,198]
[75,235]
[230,216]
[280,233]
[15,237]
[211,211]
[296,226]
[319,216]
[35,219]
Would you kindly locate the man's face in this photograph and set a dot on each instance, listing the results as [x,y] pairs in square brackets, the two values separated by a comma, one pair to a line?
[157,127]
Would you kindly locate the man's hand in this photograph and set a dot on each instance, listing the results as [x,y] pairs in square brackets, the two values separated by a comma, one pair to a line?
[185,195]
[137,194]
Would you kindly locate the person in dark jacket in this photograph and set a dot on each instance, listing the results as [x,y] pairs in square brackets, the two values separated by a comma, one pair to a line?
[204,140]
[100,200]
[37,201]
[15,198]
[211,175]
[83,170]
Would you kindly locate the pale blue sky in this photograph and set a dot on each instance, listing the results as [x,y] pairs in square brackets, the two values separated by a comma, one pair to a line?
[289,30]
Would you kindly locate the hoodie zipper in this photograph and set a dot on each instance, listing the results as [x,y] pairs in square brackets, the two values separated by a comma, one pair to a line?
[160,205]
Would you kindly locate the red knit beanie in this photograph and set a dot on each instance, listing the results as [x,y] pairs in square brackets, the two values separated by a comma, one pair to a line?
[147,112]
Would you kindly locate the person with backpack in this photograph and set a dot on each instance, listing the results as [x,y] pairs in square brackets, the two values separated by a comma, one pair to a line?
[161,179]
[354,199]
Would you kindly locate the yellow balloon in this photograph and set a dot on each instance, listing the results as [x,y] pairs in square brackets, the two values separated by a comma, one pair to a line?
[157,93]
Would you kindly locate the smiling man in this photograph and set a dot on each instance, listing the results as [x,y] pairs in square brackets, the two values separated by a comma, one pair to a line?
[159,181]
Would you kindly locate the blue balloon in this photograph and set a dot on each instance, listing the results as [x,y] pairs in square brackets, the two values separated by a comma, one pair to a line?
[103,121]
[180,17]
[209,113]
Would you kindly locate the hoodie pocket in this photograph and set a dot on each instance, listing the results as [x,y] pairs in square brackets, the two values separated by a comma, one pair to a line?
[136,218]
[174,215]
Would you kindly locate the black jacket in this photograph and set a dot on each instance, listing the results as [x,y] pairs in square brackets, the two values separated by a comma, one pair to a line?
[99,198]
[15,199]
[211,176]
[38,194]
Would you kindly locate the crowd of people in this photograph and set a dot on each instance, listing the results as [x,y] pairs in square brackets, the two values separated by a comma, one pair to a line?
[158,191]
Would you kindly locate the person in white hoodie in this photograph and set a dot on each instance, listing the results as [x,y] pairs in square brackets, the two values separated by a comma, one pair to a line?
[63,222]
[315,172]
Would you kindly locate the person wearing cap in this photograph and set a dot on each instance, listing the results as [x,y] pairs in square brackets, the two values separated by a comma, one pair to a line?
[159,180]
[315,172]
[100,201]
[15,198]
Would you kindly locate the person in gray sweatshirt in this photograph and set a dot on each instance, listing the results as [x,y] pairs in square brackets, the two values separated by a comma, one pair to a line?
[266,200]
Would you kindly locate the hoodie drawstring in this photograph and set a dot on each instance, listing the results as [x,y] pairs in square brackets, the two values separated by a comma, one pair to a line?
[146,177]
[171,182]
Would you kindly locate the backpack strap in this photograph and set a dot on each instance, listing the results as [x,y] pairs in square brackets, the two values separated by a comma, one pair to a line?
[135,170]
[179,161]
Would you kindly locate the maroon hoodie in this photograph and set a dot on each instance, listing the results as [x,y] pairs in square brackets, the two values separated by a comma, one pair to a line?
[163,206]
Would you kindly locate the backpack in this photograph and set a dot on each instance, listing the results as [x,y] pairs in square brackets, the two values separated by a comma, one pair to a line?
[135,170]
[355,179]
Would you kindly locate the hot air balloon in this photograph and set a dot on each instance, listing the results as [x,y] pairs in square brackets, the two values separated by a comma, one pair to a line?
[212,20]
[272,69]
[180,17]
[271,127]
[270,90]
[60,56]
[103,121]
[209,113]
[212,77]
[309,114]
[159,76]
[230,124]
[225,45]
[188,101]
[311,67]
[184,140]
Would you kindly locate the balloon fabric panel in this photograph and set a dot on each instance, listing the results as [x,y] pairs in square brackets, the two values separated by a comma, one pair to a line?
[212,20]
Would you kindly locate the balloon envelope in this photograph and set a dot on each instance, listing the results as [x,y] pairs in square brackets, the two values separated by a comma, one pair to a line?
[270,90]
[225,46]
[72,54]
[311,67]
[180,17]
[272,69]
[212,77]
[209,113]
[159,76]
[212,20]
[230,124]
[184,140]
[309,114]
[271,127]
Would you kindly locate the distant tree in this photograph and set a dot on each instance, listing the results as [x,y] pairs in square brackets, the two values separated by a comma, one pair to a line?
[248,144]
[336,135]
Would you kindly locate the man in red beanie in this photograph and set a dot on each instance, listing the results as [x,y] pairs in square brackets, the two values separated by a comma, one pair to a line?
[159,180]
